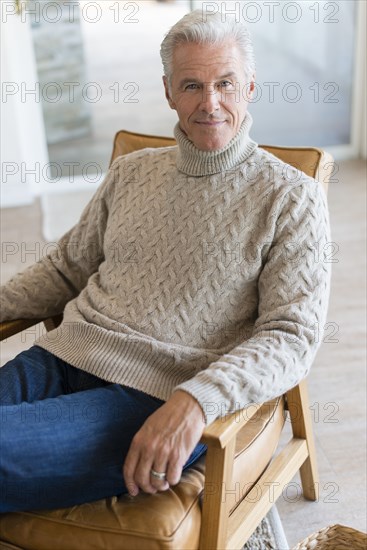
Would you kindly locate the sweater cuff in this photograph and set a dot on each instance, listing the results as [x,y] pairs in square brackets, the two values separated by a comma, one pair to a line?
[209,397]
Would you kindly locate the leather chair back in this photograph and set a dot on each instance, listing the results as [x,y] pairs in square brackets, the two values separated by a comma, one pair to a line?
[312,161]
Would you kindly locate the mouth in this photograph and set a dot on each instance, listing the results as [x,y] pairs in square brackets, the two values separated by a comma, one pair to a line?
[210,122]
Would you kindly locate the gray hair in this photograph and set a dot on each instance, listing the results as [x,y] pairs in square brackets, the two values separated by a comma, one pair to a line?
[209,28]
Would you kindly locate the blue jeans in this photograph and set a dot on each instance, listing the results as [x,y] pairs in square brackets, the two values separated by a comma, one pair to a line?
[64,433]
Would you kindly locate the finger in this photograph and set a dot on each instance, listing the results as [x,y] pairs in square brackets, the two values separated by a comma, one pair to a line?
[161,484]
[129,469]
[160,465]
[142,475]
[174,472]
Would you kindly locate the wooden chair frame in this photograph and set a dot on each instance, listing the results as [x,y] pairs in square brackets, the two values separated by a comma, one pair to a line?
[219,528]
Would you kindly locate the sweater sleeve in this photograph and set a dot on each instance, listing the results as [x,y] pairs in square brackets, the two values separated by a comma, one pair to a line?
[43,289]
[293,290]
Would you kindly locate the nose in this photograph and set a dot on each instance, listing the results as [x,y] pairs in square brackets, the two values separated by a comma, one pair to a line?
[210,99]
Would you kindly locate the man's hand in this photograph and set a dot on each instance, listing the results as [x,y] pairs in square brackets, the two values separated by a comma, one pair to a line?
[164,443]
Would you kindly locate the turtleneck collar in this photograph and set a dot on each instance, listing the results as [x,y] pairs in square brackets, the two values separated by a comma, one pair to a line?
[194,162]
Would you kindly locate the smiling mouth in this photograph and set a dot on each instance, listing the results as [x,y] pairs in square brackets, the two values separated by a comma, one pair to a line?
[210,122]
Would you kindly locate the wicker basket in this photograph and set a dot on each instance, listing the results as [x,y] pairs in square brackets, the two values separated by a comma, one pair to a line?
[334,537]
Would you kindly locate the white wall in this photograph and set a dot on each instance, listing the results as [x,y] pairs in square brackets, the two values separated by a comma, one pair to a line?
[23,140]
[363,102]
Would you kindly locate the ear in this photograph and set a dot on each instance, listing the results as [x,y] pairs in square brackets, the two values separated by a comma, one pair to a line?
[250,87]
[167,93]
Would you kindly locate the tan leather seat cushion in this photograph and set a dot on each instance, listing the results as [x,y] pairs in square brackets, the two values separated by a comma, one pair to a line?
[168,520]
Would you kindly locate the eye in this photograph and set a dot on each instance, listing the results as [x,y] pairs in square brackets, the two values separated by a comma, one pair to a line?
[225,84]
[192,86]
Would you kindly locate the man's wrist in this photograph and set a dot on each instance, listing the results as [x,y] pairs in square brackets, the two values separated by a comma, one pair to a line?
[189,404]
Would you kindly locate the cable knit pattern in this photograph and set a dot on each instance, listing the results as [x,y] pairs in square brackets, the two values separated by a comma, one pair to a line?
[192,270]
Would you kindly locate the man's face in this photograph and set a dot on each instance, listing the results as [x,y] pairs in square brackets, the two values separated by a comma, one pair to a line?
[209,92]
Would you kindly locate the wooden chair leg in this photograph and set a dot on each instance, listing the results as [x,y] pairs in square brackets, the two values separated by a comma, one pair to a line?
[298,405]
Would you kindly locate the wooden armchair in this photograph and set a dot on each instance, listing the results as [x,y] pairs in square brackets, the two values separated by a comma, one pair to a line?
[222,498]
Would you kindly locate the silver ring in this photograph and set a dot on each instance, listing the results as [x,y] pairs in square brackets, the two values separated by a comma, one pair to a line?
[158,475]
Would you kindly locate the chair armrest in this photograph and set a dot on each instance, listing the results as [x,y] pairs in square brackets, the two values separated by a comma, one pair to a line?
[10,328]
[224,429]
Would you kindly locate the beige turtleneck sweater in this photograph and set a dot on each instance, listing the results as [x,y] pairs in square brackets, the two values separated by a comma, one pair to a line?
[192,270]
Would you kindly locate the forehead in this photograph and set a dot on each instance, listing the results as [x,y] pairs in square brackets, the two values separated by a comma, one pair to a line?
[206,61]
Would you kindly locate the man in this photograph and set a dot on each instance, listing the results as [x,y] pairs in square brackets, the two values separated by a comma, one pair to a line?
[220,307]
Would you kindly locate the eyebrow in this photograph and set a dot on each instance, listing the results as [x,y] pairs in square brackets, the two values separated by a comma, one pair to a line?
[195,81]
